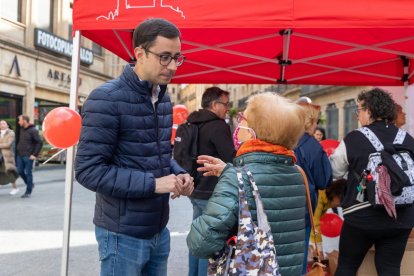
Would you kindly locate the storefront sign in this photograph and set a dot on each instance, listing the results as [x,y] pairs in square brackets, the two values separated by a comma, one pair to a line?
[63,78]
[61,46]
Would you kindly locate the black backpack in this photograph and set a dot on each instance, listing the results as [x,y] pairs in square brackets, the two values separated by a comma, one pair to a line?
[186,147]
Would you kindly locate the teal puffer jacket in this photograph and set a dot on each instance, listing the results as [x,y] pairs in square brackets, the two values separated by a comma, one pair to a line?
[282,189]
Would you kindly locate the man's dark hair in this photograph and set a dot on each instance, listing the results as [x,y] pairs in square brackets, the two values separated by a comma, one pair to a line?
[335,189]
[146,32]
[379,103]
[212,94]
[25,117]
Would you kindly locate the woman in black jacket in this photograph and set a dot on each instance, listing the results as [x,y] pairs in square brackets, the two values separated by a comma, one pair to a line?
[368,226]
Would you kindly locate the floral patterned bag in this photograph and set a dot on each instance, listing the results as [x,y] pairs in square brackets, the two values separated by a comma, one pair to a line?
[253,252]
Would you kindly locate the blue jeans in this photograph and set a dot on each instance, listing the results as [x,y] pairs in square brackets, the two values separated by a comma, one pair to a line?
[197,267]
[125,255]
[25,167]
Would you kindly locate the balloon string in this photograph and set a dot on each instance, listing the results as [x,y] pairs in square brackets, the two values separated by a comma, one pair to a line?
[53,156]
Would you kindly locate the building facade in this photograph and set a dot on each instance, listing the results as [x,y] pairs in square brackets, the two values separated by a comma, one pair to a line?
[35,54]
[35,57]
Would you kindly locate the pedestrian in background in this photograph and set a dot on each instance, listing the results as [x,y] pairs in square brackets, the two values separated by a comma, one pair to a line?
[214,139]
[124,155]
[400,116]
[319,134]
[8,171]
[28,148]
[314,161]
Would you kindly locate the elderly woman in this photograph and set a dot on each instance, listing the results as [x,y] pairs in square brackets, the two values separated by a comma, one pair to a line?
[8,171]
[266,144]
[370,226]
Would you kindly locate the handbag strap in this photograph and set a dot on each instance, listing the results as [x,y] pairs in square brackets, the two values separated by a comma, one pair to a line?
[262,221]
[310,209]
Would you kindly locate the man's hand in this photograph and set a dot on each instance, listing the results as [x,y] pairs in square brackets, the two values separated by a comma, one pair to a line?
[188,184]
[211,166]
[32,157]
[168,184]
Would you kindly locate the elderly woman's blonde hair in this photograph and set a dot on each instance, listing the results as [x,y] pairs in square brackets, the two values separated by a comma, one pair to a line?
[275,119]
[311,115]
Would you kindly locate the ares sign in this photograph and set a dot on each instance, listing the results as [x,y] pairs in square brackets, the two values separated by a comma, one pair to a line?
[61,46]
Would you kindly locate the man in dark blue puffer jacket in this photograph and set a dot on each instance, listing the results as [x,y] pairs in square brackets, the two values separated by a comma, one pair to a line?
[124,155]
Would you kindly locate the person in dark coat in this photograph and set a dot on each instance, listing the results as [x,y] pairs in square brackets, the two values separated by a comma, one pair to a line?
[314,161]
[368,226]
[214,140]
[28,148]
[124,155]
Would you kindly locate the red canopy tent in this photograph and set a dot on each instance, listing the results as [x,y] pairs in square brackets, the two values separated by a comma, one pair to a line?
[332,42]
[354,42]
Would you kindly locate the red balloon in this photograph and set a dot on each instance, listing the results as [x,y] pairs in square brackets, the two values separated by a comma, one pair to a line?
[330,225]
[61,127]
[329,145]
[180,114]
[173,133]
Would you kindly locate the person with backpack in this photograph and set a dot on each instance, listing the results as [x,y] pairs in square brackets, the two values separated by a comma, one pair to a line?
[211,135]
[265,151]
[366,222]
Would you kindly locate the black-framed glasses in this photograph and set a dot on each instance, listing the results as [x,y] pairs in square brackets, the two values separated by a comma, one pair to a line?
[165,59]
[226,104]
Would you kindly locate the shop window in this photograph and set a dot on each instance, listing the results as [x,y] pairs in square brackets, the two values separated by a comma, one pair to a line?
[11,9]
[351,121]
[70,38]
[10,108]
[42,12]
[332,121]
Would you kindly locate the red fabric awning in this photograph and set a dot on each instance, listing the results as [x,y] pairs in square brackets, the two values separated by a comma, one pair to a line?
[354,42]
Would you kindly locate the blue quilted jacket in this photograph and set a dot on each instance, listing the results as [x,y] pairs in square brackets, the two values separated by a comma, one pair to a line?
[124,146]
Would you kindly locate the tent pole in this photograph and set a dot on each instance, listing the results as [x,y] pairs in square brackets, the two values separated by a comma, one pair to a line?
[406,64]
[285,56]
[73,96]
[131,56]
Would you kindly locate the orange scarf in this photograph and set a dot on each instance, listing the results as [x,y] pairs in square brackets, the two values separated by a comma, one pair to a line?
[256,145]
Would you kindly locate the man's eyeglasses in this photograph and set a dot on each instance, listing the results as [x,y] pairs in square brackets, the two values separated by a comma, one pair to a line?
[240,117]
[226,104]
[165,59]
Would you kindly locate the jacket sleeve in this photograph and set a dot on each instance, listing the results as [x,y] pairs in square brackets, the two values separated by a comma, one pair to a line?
[175,168]
[96,148]
[339,161]
[223,142]
[37,141]
[321,170]
[210,231]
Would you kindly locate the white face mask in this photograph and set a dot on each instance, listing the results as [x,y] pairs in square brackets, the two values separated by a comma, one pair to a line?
[236,141]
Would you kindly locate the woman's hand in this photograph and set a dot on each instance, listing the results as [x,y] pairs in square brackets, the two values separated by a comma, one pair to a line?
[211,166]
